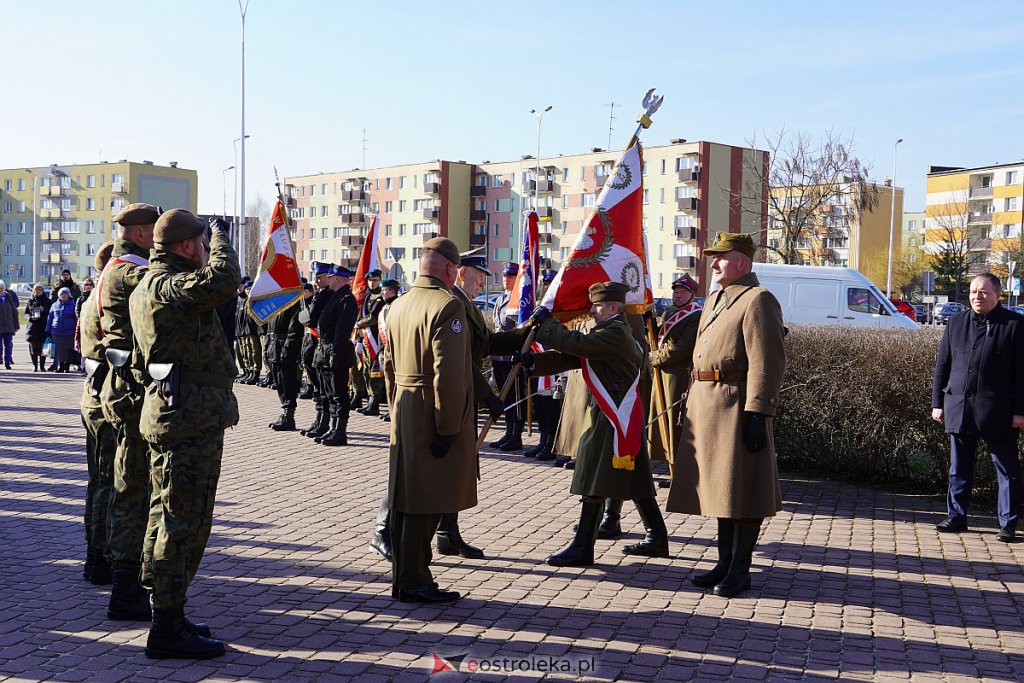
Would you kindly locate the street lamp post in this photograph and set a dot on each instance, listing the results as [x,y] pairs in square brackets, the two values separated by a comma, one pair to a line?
[241,239]
[536,181]
[238,232]
[892,221]
[224,191]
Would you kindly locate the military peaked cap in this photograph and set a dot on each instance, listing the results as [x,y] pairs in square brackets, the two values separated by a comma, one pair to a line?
[511,268]
[341,271]
[686,282]
[320,268]
[374,273]
[475,259]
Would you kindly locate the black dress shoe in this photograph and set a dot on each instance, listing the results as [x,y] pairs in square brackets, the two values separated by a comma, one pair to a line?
[427,594]
[952,525]
[1007,534]
[570,465]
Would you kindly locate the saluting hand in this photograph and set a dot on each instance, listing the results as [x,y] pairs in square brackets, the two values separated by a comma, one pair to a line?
[218,224]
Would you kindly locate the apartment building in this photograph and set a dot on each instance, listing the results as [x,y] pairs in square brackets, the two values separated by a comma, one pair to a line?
[838,233]
[691,192]
[63,213]
[977,210]
[913,230]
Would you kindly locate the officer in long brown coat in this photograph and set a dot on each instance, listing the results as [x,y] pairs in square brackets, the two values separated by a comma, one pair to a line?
[433,450]
[611,459]
[725,463]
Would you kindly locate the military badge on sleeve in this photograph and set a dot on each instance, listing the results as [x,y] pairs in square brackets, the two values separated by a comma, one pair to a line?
[456,326]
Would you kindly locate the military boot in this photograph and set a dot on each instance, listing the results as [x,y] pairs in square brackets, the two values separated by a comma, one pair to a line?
[449,539]
[254,377]
[285,423]
[372,408]
[357,402]
[655,543]
[711,578]
[505,437]
[580,553]
[515,439]
[380,542]
[129,601]
[738,579]
[337,436]
[532,451]
[610,523]
[306,393]
[97,569]
[169,638]
[329,426]
[319,425]
[546,453]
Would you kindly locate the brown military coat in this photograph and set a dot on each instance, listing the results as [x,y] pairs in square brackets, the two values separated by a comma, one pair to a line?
[673,360]
[429,374]
[715,475]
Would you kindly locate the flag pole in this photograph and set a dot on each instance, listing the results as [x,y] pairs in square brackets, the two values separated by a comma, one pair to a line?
[509,381]
[659,397]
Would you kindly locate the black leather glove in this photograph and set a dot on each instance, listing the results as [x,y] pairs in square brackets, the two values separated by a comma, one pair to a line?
[539,316]
[527,359]
[441,444]
[218,224]
[494,405]
[755,432]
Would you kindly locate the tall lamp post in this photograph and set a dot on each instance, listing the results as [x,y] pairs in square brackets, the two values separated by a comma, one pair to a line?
[238,232]
[536,182]
[892,221]
[242,7]
[224,191]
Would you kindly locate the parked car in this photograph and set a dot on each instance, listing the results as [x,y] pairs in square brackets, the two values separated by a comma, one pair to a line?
[905,308]
[947,311]
[661,305]
[922,313]
[21,288]
[1017,309]
[486,303]
[814,295]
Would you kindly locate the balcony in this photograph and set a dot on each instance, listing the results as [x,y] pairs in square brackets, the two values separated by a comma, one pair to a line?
[427,236]
[50,213]
[478,191]
[687,232]
[546,212]
[478,216]
[52,191]
[289,201]
[117,188]
[600,178]
[687,203]
[689,175]
[352,240]
[48,236]
[477,240]
[354,217]
[981,192]
[980,217]
[686,262]
[432,188]
[431,214]
[546,186]
[545,238]
[354,196]
[50,258]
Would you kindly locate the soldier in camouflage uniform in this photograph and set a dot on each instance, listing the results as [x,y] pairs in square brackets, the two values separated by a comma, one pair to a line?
[310,317]
[373,378]
[99,438]
[186,409]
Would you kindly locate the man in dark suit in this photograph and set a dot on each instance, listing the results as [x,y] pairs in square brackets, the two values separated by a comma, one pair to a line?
[978,392]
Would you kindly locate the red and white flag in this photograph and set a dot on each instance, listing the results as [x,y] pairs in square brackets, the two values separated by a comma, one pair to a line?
[610,248]
[369,260]
[278,285]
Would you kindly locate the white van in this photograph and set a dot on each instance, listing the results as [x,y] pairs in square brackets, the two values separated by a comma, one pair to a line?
[813,295]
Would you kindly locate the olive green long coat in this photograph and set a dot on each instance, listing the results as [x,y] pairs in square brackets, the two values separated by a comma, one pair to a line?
[429,375]
[616,359]
[715,475]
[673,360]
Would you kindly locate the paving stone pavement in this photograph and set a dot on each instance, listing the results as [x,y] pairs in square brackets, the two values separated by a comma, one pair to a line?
[848,582]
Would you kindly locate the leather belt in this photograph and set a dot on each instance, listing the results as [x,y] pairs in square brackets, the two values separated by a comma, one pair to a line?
[718,376]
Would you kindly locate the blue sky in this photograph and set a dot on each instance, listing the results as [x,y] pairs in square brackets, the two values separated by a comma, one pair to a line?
[159,80]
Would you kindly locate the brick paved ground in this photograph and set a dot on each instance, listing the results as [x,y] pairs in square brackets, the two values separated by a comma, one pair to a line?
[849,582]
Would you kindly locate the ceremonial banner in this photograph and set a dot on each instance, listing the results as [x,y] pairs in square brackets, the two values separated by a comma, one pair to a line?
[611,246]
[369,260]
[278,284]
[524,291]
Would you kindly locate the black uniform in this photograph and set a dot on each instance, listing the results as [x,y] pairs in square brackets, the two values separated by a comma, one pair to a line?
[284,346]
[309,316]
[335,356]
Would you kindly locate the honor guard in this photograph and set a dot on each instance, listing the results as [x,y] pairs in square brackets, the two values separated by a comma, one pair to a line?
[247,338]
[547,399]
[372,376]
[390,290]
[306,391]
[309,316]
[285,347]
[335,356]
[505,320]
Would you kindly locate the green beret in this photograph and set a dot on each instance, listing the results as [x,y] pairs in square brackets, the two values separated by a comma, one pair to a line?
[608,291]
[138,214]
[445,247]
[177,225]
[733,241]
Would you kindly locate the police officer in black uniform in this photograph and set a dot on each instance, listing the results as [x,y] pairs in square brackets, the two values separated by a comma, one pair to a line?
[310,317]
[335,355]
[285,345]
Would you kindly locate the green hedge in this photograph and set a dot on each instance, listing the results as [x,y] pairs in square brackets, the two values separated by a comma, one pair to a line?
[856,404]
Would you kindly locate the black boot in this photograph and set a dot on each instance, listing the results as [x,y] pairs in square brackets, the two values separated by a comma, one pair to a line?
[285,423]
[319,426]
[129,601]
[738,578]
[169,638]
[580,553]
[99,572]
[330,424]
[254,378]
[306,393]
[35,363]
[546,453]
[655,543]
[610,527]
[372,408]
[337,436]
[533,451]
[357,402]
[449,540]
[380,542]
[515,439]
[506,436]
[718,572]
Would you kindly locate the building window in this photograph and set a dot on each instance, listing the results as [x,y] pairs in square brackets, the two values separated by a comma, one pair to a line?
[401,229]
[21,183]
[323,234]
[323,211]
[7,206]
[7,185]
[90,227]
[22,249]
[21,207]
[90,249]
[1011,203]
[22,228]
[388,206]
[9,249]
[401,205]
[588,198]
[497,181]
[90,181]
[565,227]
[90,204]
[323,189]
[1011,177]
[401,182]
[497,228]
[647,199]
[387,230]
[387,184]
[7,228]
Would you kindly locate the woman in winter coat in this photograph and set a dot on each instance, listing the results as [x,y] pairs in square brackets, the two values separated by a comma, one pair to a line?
[8,323]
[37,313]
[61,327]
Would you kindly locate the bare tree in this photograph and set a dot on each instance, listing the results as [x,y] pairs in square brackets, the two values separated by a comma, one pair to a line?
[815,189]
[257,225]
[961,247]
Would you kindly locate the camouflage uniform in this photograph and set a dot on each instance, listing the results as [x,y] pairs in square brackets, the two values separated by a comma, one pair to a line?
[175,322]
[99,447]
[122,403]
